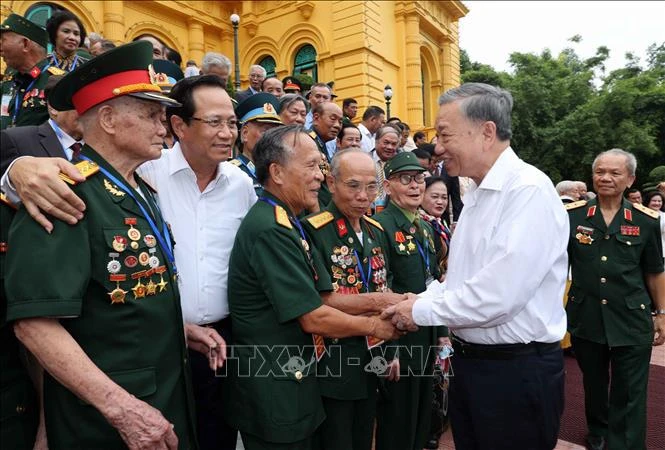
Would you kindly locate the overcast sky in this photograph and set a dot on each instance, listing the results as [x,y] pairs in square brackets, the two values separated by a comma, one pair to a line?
[491,31]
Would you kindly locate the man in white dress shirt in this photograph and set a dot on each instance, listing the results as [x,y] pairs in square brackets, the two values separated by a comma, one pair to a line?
[204,199]
[373,119]
[502,294]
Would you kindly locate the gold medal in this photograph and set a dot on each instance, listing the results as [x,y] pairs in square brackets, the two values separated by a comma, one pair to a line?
[144,258]
[134,245]
[133,234]
[162,284]
[139,290]
[584,238]
[151,288]
[344,250]
[411,246]
[117,295]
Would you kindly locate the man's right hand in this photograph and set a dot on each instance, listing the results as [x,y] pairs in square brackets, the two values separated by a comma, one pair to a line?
[42,191]
[142,427]
[384,329]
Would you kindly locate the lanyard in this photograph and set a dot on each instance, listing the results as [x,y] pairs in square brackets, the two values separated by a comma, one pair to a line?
[362,272]
[292,219]
[422,254]
[27,90]
[163,238]
[248,165]
[74,63]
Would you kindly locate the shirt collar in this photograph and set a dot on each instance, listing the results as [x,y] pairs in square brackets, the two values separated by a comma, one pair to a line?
[65,140]
[363,129]
[178,163]
[500,170]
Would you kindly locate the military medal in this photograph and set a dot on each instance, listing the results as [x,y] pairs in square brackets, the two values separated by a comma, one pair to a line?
[131,261]
[132,233]
[151,288]
[119,243]
[162,284]
[144,258]
[134,245]
[344,250]
[117,295]
[629,230]
[401,247]
[412,230]
[150,240]
[113,266]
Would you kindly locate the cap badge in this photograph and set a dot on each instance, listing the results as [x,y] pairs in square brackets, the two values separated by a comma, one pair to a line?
[268,108]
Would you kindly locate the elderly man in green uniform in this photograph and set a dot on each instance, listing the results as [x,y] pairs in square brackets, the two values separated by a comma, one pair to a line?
[617,267]
[19,407]
[278,317]
[354,251]
[257,114]
[326,123]
[24,51]
[101,310]
[404,411]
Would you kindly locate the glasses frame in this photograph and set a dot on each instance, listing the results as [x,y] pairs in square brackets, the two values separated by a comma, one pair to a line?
[403,176]
[211,122]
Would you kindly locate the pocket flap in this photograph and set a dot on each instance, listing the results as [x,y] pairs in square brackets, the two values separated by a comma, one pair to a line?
[138,382]
[629,241]
[638,300]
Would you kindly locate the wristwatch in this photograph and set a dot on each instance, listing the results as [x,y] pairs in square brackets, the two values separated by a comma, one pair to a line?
[659,312]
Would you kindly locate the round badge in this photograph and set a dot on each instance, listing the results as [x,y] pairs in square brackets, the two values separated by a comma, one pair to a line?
[131,261]
[119,243]
[351,279]
[344,250]
[412,230]
[134,234]
[150,240]
[333,258]
[114,266]
[144,258]
[153,261]
[134,245]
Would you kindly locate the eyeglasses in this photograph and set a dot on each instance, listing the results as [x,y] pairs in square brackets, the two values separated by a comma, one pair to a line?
[255,75]
[357,187]
[406,179]
[216,122]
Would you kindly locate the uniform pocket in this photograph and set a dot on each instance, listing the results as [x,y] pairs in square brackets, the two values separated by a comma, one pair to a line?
[629,248]
[141,383]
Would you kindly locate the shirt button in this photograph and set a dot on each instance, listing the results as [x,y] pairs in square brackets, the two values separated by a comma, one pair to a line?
[642,306]
[628,243]
[603,302]
[603,258]
[298,375]
[20,409]
[607,236]
[603,280]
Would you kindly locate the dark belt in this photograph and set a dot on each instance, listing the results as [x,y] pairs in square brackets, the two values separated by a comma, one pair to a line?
[501,351]
[225,323]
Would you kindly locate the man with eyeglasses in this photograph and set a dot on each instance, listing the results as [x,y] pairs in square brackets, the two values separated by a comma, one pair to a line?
[408,387]
[257,114]
[204,198]
[256,76]
[355,252]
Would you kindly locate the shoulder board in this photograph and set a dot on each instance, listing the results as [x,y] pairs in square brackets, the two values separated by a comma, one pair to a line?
[5,200]
[312,134]
[574,205]
[86,168]
[235,162]
[648,211]
[282,218]
[373,222]
[320,219]
[55,70]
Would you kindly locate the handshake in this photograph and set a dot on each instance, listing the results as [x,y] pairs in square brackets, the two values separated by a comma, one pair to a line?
[395,318]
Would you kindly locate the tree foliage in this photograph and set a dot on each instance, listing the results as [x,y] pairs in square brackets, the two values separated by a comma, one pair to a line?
[567,109]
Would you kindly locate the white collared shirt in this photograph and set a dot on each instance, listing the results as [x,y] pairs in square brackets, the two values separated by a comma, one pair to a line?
[367,138]
[65,140]
[508,261]
[204,225]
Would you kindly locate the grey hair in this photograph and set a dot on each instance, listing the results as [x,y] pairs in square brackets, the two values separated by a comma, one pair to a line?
[631,161]
[214,59]
[260,68]
[335,163]
[386,129]
[565,186]
[273,148]
[287,100]
[482,102]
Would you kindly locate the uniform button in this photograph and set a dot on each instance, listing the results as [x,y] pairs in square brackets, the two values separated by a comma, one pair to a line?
[20,409]
[603,302]
[603,280]
[603,258]
[642,306]
[607,236]
[335,341]
[298,375]
[628,243]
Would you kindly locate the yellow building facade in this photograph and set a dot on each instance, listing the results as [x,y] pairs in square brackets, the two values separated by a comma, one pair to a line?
[362,46]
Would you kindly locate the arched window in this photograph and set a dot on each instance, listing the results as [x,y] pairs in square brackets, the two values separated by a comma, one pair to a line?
[305,62]
[40,13]
[268,63]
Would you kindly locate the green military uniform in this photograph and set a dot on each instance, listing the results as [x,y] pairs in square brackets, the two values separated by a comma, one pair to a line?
[19,409]
[273,396]
[609,315]
[247,166]
[324,193]
[404,411]
[110,281]
[346,376]
[23,101]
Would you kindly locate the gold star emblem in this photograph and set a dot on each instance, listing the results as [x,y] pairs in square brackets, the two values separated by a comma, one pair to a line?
[139,290]
[162,284]
[151,288]
[117,295]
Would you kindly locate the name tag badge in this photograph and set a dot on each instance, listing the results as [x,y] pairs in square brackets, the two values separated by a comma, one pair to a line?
[429,280]
[4,107]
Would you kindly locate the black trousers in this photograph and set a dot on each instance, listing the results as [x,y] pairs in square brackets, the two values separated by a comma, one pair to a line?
[212,430]
[513,403]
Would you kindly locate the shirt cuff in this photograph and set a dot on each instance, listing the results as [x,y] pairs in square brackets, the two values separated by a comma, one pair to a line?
[422,312]
[6,185]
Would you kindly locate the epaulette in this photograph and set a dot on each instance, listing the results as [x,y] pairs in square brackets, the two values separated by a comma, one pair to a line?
[86,168]
[373,222]
[312,134]
[55,70]
[5,200]
[282,218]
[574,205]
[648,211]
[235,162]
[320,219]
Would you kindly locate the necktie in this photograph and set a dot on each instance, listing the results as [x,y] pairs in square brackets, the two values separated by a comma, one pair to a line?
[76,151]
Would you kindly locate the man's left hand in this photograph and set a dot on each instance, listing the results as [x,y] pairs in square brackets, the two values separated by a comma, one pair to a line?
[207,341]
[659,329]
[402,314]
